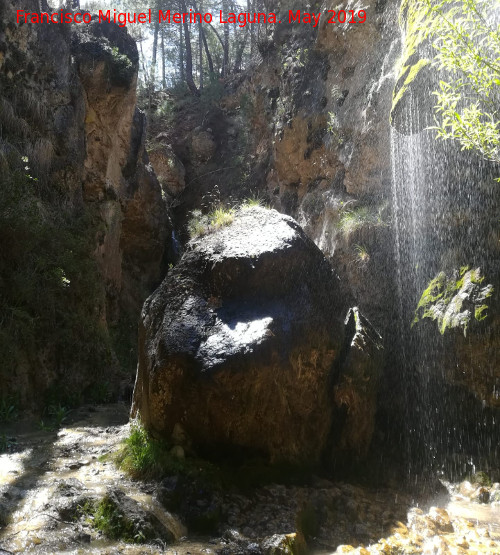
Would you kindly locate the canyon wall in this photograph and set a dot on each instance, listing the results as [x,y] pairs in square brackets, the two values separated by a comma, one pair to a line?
[91,234]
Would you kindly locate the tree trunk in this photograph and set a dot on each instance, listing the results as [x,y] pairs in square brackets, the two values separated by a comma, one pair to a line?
[203,40]
[147,79]
[181,53]
[189,53]
[239,53]
[252,30]
[208,55]
[155,52]
[200,43]
[225,62]
[163,79]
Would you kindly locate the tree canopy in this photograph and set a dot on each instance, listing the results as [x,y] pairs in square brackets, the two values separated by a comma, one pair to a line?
[191,53]
[466,38]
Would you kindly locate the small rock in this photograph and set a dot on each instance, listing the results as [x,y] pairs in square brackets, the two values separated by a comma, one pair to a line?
[281,544]
[441,519]
[179,436]
[399,528]
[135,516]
[466,489]
[482,495]
[421,524]
[83,537]
[203,146]
[495,496]
[232,535]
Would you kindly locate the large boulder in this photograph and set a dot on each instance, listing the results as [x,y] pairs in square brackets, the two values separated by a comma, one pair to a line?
[238,345]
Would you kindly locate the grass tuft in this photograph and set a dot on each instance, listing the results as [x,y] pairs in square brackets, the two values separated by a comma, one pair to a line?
[252,202]
[201,224]
[362,254]
[221,217]
[8,409]
[106,517]
[141,456]
[356,218]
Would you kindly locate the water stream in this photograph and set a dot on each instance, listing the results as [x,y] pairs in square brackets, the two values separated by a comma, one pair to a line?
[46,474]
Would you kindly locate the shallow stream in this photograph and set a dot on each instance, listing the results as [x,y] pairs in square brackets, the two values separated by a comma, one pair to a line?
[45,473]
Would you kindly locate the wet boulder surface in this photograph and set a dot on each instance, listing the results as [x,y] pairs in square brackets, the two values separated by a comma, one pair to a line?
[239,344]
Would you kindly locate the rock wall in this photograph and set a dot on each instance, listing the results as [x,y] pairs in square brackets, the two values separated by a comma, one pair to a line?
[68,112]
[306,130]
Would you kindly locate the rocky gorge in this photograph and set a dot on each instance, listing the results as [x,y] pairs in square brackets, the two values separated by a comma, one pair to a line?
[287,243]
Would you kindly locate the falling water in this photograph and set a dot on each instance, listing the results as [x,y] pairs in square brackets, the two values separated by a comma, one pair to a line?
[444,209]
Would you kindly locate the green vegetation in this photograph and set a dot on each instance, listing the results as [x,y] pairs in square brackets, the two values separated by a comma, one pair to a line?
[201,224]
[5,443]
[141,456]
[121,67]
[307,522]
[299,58]
[334,129]
[352,219]
[253,202]
[198,224]
[54,415]
[220,217]
[467,43]
[50,289]
[362,254]
[481,478]
[8,409]
[454,302]
[99,393]
[144,457]
[109,520]
[107,517]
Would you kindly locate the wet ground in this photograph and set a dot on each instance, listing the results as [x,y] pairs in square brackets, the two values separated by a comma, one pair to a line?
[45,477]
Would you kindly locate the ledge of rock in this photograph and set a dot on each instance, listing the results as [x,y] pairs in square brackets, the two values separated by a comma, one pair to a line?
[355,392]
[238,345]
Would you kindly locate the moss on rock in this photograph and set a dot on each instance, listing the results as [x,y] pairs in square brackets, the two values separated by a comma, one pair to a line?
[413,72]
[455,301]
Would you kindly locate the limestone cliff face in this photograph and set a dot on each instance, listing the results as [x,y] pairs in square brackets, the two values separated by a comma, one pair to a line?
[68,107]
[117,175]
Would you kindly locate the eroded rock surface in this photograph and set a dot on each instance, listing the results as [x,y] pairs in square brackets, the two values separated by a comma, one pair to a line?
[169,169]
[356,391]
[238,343]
